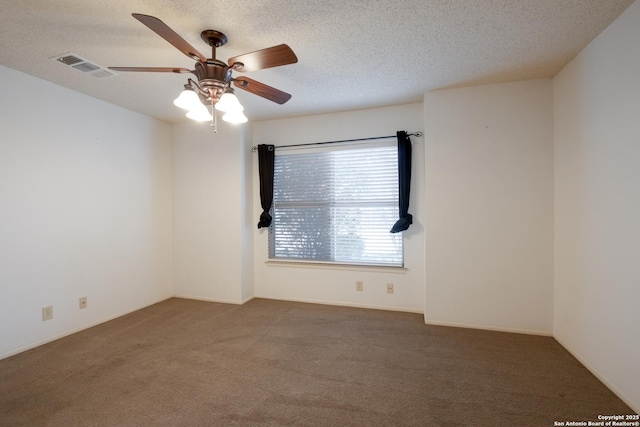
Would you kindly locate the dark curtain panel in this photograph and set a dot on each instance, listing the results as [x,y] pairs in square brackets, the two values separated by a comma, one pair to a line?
[404,182]
[266,157]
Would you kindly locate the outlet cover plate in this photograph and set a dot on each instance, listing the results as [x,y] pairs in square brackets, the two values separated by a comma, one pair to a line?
[47,313]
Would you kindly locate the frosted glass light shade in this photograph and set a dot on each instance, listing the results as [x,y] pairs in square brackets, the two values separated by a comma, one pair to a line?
[229,103]
[200,114]
[188,100]
[235,117]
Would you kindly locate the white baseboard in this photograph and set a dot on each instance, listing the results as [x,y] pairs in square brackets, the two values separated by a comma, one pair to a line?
[76,330]
[343,304]
[634,405]
[219,300]
[490,328]
[246,300]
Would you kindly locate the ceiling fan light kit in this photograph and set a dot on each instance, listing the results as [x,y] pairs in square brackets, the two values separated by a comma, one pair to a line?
[200,114]
[188,99]
[214,77]
[228,102]
[235,117]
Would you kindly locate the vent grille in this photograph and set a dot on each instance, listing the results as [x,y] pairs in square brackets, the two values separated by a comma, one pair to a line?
[103,74]
[69,60]
[87,67]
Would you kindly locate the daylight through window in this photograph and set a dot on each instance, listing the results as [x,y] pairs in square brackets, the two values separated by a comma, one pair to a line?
[337,205]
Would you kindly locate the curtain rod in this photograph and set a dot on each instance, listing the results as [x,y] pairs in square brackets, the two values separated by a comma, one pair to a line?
[418,134]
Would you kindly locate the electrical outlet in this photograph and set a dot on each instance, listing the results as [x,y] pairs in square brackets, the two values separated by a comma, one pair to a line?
[359,286]
[83,302]
[389,288]
[47,313]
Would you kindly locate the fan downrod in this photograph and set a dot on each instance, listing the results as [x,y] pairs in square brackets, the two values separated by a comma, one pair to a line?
[213,38]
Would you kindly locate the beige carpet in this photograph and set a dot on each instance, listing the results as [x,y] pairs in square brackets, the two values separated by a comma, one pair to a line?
[274,363]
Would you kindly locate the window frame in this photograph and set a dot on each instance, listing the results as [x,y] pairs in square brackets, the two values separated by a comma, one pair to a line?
[399,245]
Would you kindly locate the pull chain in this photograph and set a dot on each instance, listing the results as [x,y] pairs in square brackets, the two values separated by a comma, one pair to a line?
[214,118]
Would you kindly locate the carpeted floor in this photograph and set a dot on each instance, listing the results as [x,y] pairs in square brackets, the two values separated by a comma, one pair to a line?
[274,363]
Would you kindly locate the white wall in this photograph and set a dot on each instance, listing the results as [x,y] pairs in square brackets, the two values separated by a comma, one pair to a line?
[337,285]
[597,206]
[85,210]
[212,255]
[489,215]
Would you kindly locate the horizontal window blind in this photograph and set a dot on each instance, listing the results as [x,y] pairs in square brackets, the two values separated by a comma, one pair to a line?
[336,205]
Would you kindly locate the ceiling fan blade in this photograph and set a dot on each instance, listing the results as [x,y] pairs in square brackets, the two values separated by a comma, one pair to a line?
[274,56]
[169,35]
[261,89]
[152,69]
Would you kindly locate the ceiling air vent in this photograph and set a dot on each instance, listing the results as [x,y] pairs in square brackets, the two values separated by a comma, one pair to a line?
[81,64]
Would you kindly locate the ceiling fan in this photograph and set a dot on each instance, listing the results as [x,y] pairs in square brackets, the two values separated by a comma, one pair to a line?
[214,77]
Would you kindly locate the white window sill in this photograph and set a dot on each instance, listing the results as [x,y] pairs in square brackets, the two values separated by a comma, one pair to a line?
[331,266]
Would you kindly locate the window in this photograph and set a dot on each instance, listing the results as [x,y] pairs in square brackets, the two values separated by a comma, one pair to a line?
[336,205]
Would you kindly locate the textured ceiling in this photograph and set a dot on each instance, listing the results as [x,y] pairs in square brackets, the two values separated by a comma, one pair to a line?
[352,54]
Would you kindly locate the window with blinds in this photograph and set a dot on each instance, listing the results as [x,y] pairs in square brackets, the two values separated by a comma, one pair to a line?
[337,206]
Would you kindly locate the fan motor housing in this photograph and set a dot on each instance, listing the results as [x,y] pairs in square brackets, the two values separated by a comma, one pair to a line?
[213,77]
